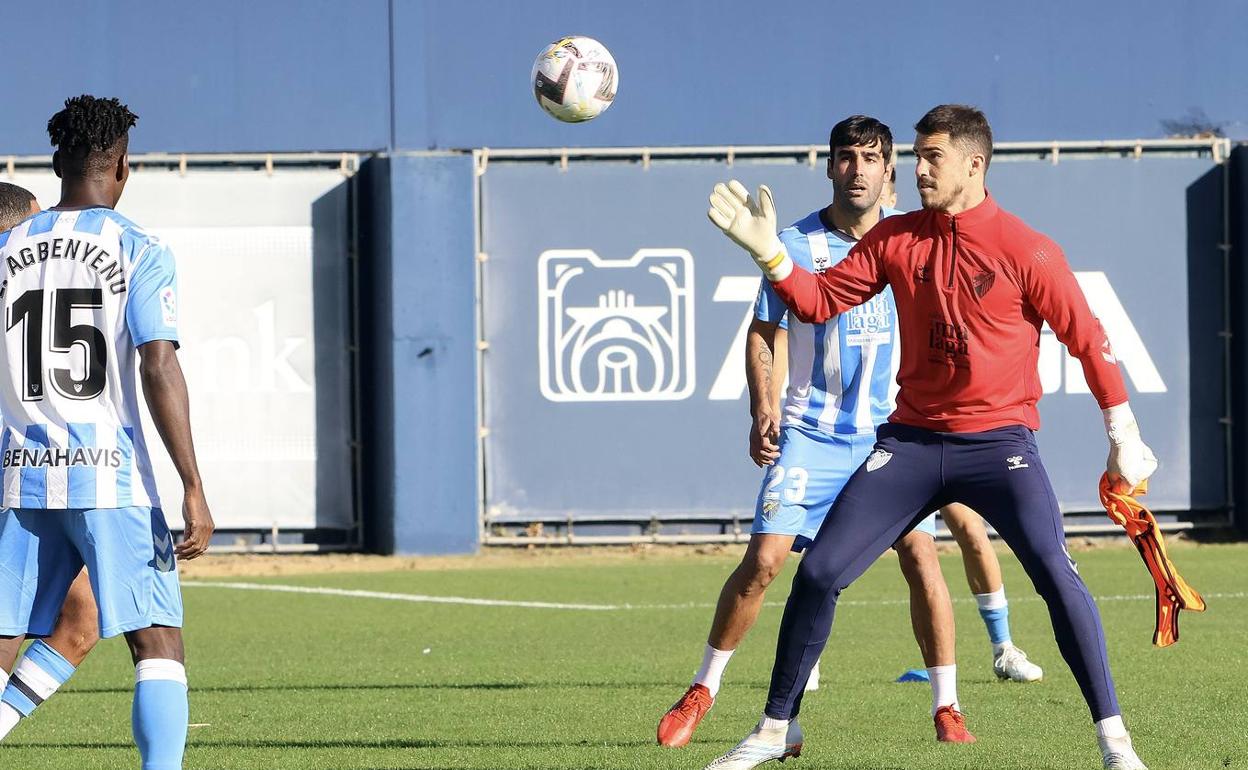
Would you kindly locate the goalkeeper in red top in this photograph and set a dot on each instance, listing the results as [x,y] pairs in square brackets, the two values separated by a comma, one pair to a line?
[973,285]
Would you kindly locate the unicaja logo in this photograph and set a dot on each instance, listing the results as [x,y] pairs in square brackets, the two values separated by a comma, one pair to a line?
[616,330]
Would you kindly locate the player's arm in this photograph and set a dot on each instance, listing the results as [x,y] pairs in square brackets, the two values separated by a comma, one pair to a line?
[764,371]
[1055,294]
[164,387]
[751,223]
[152,316]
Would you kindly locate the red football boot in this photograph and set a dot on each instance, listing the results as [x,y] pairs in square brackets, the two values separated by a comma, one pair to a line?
[677,725]
[951,727]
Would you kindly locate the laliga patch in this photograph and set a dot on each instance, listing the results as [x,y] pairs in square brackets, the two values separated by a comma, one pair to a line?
[168,306]
[878,459]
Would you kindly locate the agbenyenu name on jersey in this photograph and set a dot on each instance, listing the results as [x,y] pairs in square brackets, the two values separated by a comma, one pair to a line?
[72,249]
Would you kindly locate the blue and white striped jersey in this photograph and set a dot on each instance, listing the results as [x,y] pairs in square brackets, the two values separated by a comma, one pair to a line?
[843,373]
[82,289]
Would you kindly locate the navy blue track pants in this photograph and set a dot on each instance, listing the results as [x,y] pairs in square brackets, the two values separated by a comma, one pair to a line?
[911,473]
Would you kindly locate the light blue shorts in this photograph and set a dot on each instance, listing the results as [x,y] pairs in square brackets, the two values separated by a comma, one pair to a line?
[128,553]
[798,491]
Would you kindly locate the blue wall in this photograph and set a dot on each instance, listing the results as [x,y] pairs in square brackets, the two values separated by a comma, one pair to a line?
[225,76]
[418,336]
[289,75]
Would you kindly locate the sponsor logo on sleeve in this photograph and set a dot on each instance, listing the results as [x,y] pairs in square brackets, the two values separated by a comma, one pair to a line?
[168,306]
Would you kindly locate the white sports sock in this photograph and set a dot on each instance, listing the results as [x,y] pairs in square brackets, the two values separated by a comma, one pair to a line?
[712,671]
[1111,727]
[992,601]
[767,723]
[944,686]
[9,717]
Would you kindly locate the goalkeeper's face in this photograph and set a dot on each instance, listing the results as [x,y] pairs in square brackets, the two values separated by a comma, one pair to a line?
[858,173]
[945,170]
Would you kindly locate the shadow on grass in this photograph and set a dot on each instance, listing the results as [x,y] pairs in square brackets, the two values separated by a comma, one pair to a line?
[387,743]
[496,686]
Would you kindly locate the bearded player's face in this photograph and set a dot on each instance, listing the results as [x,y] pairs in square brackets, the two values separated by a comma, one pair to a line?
[942,170]
[858,173]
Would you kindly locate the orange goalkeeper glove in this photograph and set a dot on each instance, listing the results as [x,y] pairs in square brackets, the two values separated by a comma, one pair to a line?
[1173,592]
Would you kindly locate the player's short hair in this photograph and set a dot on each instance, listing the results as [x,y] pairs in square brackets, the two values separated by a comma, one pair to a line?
[91,133]
[861,131]
[14,205]
[965,125]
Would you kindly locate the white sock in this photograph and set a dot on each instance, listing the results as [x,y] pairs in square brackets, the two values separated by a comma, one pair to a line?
[1111,727]
[712,671]
[9,717]
[944,686]
[767,723]
[992,601]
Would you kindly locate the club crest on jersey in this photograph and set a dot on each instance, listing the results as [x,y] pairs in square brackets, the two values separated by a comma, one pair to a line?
[771,504]
[1015,462]
[983,282]
[168,306]
[878,459]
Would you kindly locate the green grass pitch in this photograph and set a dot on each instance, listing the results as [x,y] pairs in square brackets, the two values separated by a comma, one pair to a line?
[309,681]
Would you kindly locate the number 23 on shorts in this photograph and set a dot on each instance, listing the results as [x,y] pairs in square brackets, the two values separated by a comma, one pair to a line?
[788,483]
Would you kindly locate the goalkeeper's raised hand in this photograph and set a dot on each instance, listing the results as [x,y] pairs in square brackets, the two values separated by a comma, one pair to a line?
[751,223]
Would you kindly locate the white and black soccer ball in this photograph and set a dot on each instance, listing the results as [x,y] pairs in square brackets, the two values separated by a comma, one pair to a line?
[575,79]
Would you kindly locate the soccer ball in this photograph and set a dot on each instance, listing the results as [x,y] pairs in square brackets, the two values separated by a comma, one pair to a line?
[575,78]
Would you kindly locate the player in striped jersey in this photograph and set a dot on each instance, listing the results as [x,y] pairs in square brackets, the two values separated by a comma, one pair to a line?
[841,388]
[85,293]
[47,663]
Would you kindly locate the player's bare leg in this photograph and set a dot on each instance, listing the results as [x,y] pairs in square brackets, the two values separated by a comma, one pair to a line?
[740,601]
[931,616]
[9,647]
[983,574]
[77,630]
[50,662]
[741,598]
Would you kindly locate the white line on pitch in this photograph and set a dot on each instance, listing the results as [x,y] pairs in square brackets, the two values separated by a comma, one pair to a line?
[418,598]
[477,602]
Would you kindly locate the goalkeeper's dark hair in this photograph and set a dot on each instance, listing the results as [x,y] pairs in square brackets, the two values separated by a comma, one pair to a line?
[862,131]
[91,133]
[14,205]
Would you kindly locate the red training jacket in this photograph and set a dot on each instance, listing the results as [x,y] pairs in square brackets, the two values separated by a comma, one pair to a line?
[972,290]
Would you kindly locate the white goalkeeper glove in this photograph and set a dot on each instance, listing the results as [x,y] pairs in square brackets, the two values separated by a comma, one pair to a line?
[1130,459]
[751,222]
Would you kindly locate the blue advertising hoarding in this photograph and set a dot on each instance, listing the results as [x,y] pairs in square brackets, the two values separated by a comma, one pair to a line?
[615,316]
